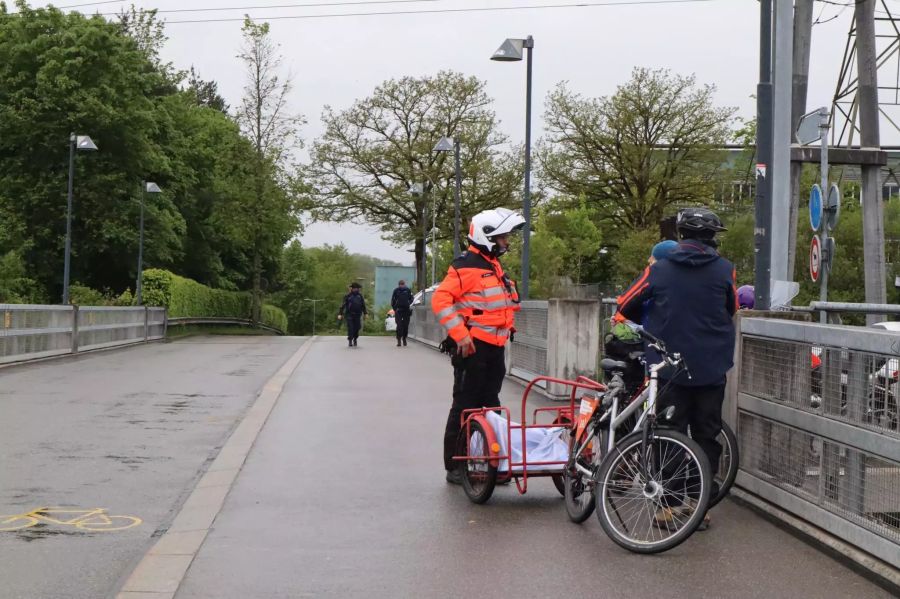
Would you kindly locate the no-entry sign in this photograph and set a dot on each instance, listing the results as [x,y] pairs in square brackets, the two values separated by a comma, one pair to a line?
[815,258]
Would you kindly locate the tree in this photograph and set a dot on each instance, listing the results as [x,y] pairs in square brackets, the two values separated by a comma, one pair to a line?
[364,166]
[61,73]
[206,93]
[650,146]
[267,216]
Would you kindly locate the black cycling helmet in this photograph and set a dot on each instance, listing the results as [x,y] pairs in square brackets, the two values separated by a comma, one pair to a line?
[698,222]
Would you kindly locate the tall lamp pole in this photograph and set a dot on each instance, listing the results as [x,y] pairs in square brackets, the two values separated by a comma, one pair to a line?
[76,142]
[511,51]
[146,187]
[449,144]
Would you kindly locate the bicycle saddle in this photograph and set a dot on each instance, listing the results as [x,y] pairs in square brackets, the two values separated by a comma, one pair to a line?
[608,364]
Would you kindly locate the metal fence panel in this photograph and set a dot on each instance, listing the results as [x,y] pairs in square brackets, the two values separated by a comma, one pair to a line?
[528,352]
[818,426]
[30,332]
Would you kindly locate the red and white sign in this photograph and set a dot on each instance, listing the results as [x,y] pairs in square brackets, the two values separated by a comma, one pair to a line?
[815,258]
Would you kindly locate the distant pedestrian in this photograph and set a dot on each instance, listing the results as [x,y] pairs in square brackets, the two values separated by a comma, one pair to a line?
[401,302]
[354,307]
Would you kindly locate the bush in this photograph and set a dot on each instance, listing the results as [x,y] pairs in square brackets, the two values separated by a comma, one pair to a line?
[85,296]
[184,297]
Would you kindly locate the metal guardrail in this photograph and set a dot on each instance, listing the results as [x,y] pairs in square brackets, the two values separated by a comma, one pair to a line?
[201,320]
[823,443]
[29,331]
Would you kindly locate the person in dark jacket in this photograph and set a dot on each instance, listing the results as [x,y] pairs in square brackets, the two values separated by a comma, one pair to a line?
[354,308]
[401,302]
[693,301]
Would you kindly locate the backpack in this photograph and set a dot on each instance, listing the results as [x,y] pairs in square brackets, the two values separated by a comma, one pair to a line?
[403,299]
[355,303]
[628,348]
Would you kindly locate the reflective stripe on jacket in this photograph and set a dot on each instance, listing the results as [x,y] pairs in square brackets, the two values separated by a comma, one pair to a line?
[473,299]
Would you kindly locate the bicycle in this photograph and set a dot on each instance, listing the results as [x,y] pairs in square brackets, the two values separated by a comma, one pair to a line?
[655,470]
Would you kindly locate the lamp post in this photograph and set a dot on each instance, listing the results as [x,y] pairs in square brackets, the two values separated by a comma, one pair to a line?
[447,144]
[511,51]
[306,299]
[146,187]
[76,142]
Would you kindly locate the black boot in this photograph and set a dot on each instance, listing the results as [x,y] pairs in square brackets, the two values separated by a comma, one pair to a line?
[350,342]
[398,341]
[404,342]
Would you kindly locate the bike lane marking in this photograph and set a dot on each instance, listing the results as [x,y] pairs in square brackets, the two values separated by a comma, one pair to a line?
[160,572]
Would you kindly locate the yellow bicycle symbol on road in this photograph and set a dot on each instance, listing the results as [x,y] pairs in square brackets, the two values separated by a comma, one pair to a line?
[95,520]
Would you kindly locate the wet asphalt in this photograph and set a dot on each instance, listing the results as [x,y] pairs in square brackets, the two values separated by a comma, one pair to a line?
[129,430]
[343,495]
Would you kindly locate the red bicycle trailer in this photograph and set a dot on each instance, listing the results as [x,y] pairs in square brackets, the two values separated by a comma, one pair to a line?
[488,461]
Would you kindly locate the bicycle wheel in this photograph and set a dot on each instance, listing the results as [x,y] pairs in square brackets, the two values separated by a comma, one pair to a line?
[479,477]
[579,487]
[657,510]
[16,522]
[728,464]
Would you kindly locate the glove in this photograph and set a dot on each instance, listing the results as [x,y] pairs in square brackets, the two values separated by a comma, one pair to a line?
[448,346]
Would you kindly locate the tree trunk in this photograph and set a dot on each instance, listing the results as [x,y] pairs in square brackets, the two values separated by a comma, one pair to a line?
[420,263]
[256,300]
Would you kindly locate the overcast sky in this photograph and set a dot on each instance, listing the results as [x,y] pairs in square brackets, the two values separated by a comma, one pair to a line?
[336,60]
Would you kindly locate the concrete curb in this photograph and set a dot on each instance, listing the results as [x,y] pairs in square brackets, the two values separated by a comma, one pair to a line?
[161,571]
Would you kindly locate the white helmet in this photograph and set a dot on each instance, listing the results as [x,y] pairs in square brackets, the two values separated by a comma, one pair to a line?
[487,225]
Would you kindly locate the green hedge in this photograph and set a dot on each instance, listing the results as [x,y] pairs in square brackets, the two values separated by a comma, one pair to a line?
[184,297]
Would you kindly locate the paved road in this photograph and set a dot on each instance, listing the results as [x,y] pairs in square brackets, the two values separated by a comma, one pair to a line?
[127,430]
[343,496]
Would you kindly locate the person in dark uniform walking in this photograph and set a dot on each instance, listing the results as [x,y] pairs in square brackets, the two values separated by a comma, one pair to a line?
[401,302]
[354,308]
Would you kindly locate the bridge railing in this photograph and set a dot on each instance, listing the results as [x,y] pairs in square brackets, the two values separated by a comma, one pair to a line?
[558,338]
[29,332]
[822,443]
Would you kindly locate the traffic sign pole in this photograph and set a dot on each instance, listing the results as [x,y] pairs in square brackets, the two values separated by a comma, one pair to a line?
[826,260]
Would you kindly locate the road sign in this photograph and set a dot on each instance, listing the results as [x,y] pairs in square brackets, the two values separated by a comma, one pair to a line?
[815,258]
[761,170]
[815,207]
[809,129]
[828,253]
[832,207]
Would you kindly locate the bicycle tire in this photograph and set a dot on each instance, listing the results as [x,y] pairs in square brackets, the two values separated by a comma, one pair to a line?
[577,485]
[479,478]
[691,489]
[16,522]
[728,464]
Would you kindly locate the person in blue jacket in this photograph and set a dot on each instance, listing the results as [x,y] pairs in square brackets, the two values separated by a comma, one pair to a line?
[693,299]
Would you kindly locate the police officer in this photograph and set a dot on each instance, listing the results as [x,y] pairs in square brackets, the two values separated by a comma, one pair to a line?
[401,303]
[693,301]
[475,304]
[354,307]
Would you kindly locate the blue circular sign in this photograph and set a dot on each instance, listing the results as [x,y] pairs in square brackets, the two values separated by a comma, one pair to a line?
[815,208]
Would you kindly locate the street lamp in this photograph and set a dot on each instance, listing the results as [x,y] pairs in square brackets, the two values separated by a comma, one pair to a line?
[146,187]
[447,144]
[511,51]
[306,299]
[80,142]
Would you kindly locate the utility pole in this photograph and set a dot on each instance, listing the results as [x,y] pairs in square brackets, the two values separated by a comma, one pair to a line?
[803,19]
[780,163]
[873,210]
[762,238]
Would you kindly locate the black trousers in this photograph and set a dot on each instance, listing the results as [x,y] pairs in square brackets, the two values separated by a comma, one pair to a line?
[476,384]
[354,324]
[402,320]
[701,409]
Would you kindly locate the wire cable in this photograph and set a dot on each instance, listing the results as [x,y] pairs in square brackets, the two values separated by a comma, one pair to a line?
[453,10]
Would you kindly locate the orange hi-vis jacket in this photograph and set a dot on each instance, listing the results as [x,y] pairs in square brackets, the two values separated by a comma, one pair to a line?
[473,299]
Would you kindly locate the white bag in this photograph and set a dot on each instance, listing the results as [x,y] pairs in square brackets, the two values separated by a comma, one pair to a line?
[541,444]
